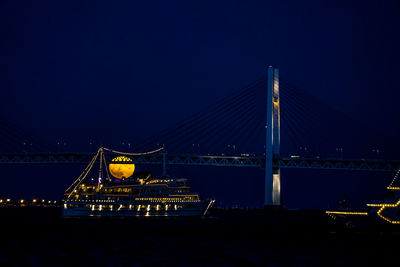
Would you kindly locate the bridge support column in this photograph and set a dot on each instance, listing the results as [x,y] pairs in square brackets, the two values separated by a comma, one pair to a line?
[272,146]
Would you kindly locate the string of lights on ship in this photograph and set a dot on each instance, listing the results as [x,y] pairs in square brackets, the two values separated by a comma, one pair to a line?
[381,206]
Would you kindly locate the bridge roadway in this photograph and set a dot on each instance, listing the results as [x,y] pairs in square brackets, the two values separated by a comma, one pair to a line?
[209,160]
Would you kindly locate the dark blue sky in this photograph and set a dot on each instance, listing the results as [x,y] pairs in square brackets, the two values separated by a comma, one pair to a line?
[114,71]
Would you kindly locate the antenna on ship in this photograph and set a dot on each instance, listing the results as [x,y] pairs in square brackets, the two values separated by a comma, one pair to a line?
[99,181]
[105,166]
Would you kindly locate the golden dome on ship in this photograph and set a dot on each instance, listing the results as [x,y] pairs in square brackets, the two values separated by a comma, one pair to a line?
[121,167]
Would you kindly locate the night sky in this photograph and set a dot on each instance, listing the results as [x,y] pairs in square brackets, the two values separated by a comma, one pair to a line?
[109,72]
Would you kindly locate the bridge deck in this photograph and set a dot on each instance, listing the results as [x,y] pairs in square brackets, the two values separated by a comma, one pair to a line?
[209,160]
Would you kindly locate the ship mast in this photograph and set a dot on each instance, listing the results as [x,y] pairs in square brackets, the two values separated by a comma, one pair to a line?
[99,181]
[100,153]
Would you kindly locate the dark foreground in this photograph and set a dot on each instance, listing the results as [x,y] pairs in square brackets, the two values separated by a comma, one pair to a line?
[40,237]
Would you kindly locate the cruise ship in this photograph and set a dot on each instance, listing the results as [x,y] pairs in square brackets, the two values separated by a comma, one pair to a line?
[125,194]
[385,211]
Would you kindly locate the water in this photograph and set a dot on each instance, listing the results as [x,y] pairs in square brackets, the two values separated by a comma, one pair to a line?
[276,238]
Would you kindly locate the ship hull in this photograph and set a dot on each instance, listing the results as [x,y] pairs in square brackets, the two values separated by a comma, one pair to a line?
[200,210]
[350,222]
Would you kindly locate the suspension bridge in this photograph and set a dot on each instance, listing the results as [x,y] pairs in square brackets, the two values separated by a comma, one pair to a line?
[242,130]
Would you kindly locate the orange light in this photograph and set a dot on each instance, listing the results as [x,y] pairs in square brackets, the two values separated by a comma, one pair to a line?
[122,167]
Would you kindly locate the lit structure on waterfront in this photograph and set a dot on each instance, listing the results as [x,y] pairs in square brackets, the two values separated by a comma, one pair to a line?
[8,202]
[123,195]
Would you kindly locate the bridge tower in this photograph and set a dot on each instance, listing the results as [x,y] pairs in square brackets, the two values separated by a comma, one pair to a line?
[272,146]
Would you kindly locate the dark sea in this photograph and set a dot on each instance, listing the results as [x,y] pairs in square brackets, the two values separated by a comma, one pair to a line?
[41,237]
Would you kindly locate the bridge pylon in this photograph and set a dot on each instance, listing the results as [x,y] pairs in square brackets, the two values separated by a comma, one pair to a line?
[272,146]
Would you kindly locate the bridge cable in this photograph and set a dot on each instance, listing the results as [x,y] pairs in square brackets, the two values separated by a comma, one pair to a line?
[190,127]
[191,130]
[206,113]
[215,129]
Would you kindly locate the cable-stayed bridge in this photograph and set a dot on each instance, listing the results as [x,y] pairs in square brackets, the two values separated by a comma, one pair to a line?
[208,160]
[268,124]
